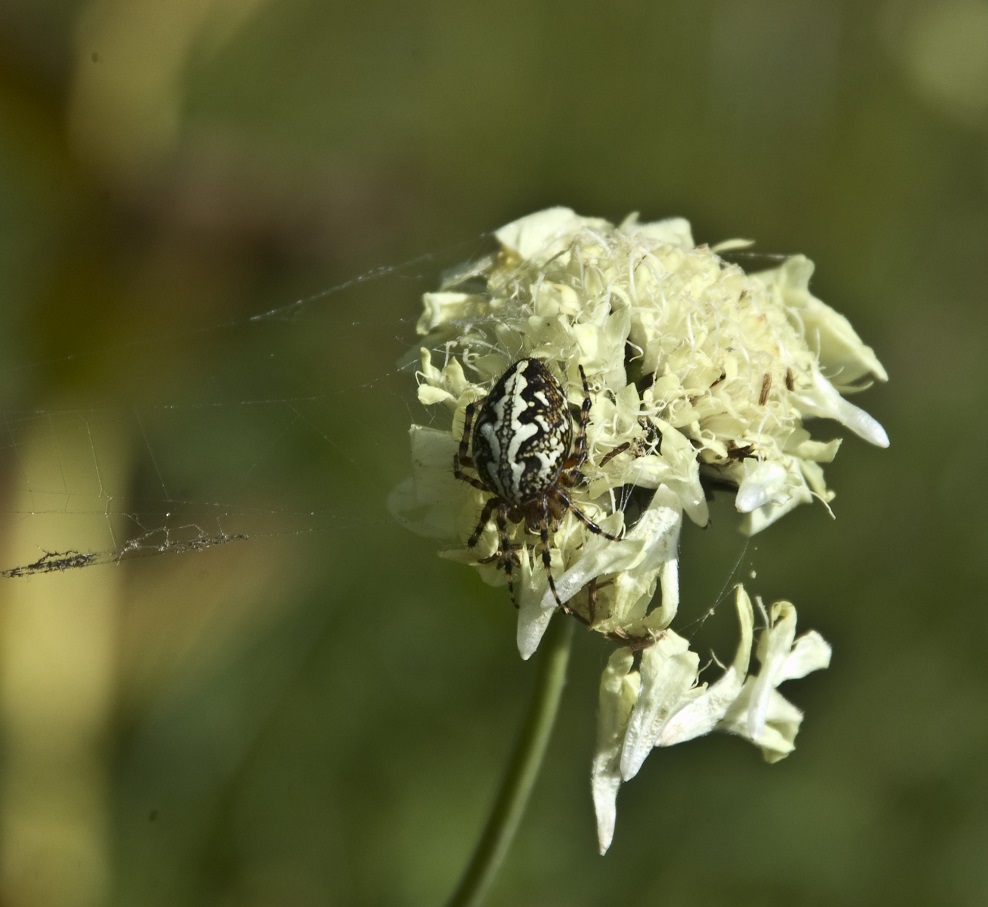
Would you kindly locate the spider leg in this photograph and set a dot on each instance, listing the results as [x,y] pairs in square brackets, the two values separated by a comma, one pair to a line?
[547,553]
[462,456]
[583,518]
[485,517]
[473,480]
[579,454]
[463,452]
[507,553]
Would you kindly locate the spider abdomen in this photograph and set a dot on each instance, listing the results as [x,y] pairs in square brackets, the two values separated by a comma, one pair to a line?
[523,433]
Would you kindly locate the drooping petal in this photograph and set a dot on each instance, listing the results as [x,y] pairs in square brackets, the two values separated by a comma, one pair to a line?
[669,672]
[619,687]
[764,483]
[761,714]
[824,400]
[636,561]
[841,350]
[540,236]
[701,715]
[776,735]
[427,502]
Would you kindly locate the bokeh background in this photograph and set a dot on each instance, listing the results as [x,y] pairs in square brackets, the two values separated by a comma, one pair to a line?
[320,714]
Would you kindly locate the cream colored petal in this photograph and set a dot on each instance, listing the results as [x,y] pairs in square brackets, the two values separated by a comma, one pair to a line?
[649,544]
[673,231]
[774,646]
[776,736]
[765,482]
[427,502]
[619,687]
[430,396]
[440,308]
[701,715]
[824,401]
[669,672]
[766,515]
[841,350]
[761,714]
[533,621]
[541,235]
[810,653]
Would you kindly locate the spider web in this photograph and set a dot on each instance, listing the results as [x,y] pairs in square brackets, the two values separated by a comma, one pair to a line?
[290,421]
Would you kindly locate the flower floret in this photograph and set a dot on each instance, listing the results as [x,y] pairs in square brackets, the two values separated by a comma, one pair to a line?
[663,702]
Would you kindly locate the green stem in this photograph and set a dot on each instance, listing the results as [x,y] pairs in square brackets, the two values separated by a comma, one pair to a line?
[512,798]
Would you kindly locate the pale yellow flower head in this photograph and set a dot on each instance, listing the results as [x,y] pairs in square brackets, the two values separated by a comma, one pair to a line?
[704,374]
[702,378]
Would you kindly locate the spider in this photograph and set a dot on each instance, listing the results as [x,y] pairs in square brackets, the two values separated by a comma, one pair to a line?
[526,457]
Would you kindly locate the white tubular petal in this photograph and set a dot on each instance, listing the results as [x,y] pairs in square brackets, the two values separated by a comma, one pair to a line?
[658,528]
[650,549]
[534,236]
[701,715]
[666,610]
[760,713]
[669,673]
[426,502]
[675,231]
[840,346]
[765,516]
[764,483]
[533,620]
[439,308]
[773,649]
[603,556]
[618,691]
[776,736]
[810,653]
[826,402]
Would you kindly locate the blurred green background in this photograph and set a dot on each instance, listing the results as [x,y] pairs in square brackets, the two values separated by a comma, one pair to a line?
[320,714]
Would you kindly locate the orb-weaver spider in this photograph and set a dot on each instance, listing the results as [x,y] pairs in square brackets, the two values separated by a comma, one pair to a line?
[519,440]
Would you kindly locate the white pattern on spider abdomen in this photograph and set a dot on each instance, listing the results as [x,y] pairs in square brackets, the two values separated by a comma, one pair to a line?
[522,435]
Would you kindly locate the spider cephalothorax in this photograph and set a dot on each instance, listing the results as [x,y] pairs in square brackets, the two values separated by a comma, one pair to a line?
[522,446]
